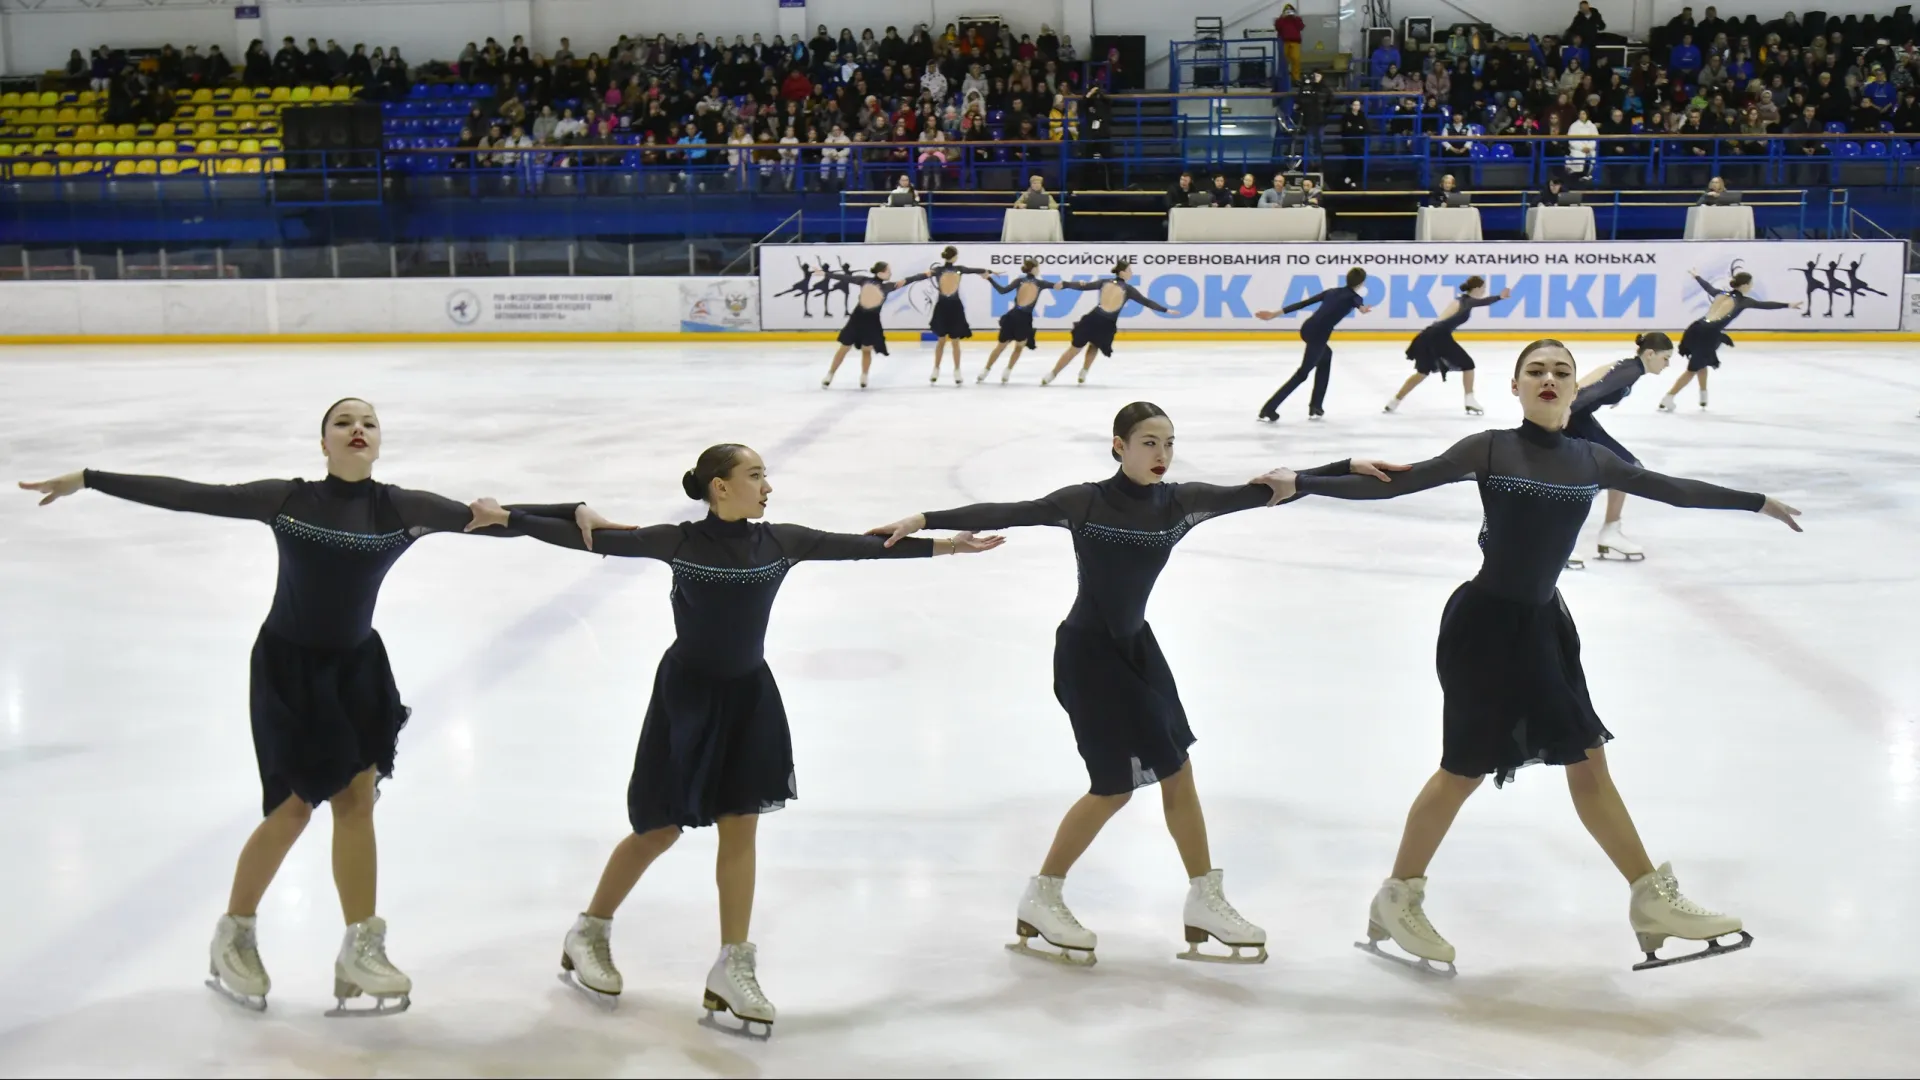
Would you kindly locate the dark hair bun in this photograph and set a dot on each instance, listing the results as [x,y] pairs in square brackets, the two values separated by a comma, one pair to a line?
[691,485]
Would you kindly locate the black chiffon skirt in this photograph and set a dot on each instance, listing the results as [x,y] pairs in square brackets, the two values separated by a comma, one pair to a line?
[712,746]
[1126,713]
[1701,345]
[1515,691]
[863,331]
[1096,328]
[950,318]
[1017,326]
[321,717]
[1434,350]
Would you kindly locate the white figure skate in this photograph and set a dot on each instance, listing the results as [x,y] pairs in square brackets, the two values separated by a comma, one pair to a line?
[1083,379]
[1047,379]
[1473,407]
[733,987]
[586,961]
[1398,912]
[1006,373]
[1575,562]
[363,968]
[1703,397]
[982,377]
[1392,405]
[234,964]
[1658,911]
[1666,404]
[1615,543]
[1044,915]
[1208,915]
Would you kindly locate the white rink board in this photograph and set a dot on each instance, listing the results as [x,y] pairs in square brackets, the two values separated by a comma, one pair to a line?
[1556,287]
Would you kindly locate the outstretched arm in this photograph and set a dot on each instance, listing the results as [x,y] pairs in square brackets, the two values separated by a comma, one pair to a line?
[1619,475]
[425,512]
[255,501]
[1062,509]
[1003,289]
[1143,299]
[1764,305]
[1458,463]
[811,545]
[576,532]
[1307,303]
[1707,286]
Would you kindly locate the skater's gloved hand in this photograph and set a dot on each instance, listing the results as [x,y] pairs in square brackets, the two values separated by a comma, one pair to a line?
[1780,511]
[966,543]
[57,488]
[589,519]
[1282,481]
[486,513]
[901,529]
[1376,469]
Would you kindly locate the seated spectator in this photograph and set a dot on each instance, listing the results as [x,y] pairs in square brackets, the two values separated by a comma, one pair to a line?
[903,193]
[1385,56]
[1554,190]
[1248,193]
[1448,187]
[1684,58]
[1458,147]
[1717,194]
[1036,196]
[1181,193]
[1221,193]
[544,125]
[1275,195]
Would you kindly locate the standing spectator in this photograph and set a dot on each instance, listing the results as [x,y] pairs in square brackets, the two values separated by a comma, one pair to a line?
[1288,28]
[1312,100]
[1354,130]
[359,68]
[1684,58]
[1615,153]
[1385,56]
[1587,23]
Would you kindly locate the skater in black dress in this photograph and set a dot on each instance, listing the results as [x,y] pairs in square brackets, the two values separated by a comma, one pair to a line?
[1609,386]
[1108,671]
[1705,335]
[1016,326]
[1316,332]
[714,748]
[863,330]
[1509,656]
[949,323]
[326,715]
[1094,331]
[1433,349]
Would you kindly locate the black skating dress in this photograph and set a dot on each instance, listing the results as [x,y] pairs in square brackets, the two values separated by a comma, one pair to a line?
[1108,671]
[949,312]
[322,696]
[1097,327]
[1433,349]
[1509,654]
[1017,324]
[715,741]
[1611,389]
[863,329]
[1703,338]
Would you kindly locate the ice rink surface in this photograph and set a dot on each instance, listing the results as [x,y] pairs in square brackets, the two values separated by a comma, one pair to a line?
[1762,684]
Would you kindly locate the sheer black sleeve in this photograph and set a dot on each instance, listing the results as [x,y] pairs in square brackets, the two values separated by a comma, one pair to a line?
[255,501]
[1081,286]
[1212,500]
[653,542]
[1332,468]
[890,286]
[1761,305]
[1707,286]
[425,512]
[1619,475]
[1460,461]
[1305,304]
[1609,388]
[1471,302]
[1063,509]
[811,545]
[1003,289]
[1142,299]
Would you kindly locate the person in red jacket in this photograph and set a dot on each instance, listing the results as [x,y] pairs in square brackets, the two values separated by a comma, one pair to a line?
[796,86]
[1288,27]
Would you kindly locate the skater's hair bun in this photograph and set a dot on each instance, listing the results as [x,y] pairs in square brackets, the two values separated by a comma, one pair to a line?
[328,415]
[1132,417]
[951,253]
[879,267]
[715,462]
[1472,283]
[1120,266]
[1739,279]
[1543,343]
[1030,266]
[1355,276]
[1655,340]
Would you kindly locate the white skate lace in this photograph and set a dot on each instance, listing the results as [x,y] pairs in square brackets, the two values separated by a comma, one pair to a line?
[1667,887]
[1057,907]
[740,973]
[243,952]
[370,953]
[599,949]
[1416,920]
[1216,902]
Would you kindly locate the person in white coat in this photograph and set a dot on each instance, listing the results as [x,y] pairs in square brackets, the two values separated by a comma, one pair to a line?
[1582,146]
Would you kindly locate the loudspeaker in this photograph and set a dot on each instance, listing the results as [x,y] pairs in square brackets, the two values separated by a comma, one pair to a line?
[299,130]
[366,126]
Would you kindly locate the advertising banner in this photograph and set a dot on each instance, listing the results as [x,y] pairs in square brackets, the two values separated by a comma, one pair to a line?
[1625,285]
[724,305]
[536,304]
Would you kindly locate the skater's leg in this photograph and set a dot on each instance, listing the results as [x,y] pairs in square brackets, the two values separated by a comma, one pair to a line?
[1681,384]
[994,357]
[630,859]
[1013,358]
[1084,820]
[939,350]
[1322,374]
[1065,359]
[733,872]
[1428,821]
[356,856]
[1604,814]
[1703,384]
[1180,798]
[866,363]
[838,355]
[1293,383]
[1413,380]
[1615,500]
[1466,382]
[265,850]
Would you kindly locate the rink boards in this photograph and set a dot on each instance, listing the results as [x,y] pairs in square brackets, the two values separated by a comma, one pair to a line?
[1853,285]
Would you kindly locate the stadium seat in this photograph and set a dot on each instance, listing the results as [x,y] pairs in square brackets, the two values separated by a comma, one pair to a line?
[205,130]
[123,168]
[280,93]
[67,115]
[202,95]
[88,97]
[1835,127]
[146,167]
[10,100]
[169,167]
[144,146]
[249,146]
[203,112]
[190,166]
[1874,148]
[227,128]
[301,93]
[183,95]
[41,169]
[125,131]
[144,131]
[166,146]
[221,93]
[49,99]
[123,147]
[163,131]
[251,165]
[229,146]
[243,112]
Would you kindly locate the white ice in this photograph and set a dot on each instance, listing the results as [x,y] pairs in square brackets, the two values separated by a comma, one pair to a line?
[1762,685]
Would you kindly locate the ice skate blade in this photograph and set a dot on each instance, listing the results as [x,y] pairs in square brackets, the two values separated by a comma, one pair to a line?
[606,1001]
[1257,956]
[383,1005]
[714,1004]
[245,1001]
[1066,955]
[1268,418]
[1714,948]
[1623,556]
[1576,564]
[1419,964]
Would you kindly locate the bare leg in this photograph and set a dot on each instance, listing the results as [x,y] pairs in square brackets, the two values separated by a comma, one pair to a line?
[1615,500]
[939,350]
[1703,382]
[1083,821]
[1013,359]
[1601,810]
[1685,378]
[994,356]
[1466,382]
[1428,821]
[1180,798]
[356,858]
[956,360]
[866,363]
[265,850]
[1092,352]
[838,355]
[630,859]
[1413,380]
[733,873]
[1065,359]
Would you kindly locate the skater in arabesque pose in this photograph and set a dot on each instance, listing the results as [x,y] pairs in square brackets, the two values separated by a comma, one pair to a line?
[1509,656]
[1704,336]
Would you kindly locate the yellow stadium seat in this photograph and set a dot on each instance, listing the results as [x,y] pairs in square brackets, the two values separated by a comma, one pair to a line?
[67,115]
[42,149]
[88,97]
[64,149]
[228,127]
[251,165]
[83,149]
[231,166]
[89,116]
[243,112]
[45,132]
[10,99]
[124,131]
[271,146]
[202,94]
[277,165]
[124,146]
[221,93]
[144,131]
[265,111]
[65,168]
[164,131]
[303,93]
[169,167]
[249,146]
[41,168]
[165,146]
[183,95]
[249,128]
[203,112]
[49,97]
[65,131]
[229,146]
[280,93]
[146,167]
[205,129]
[144,146]
[345,93]
[123,168]
[189,166]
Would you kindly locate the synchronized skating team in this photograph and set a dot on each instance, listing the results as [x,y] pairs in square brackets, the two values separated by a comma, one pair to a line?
[714,748]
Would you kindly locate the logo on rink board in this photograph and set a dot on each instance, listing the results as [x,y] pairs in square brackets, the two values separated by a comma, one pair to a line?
[1555,286]
[463,307]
